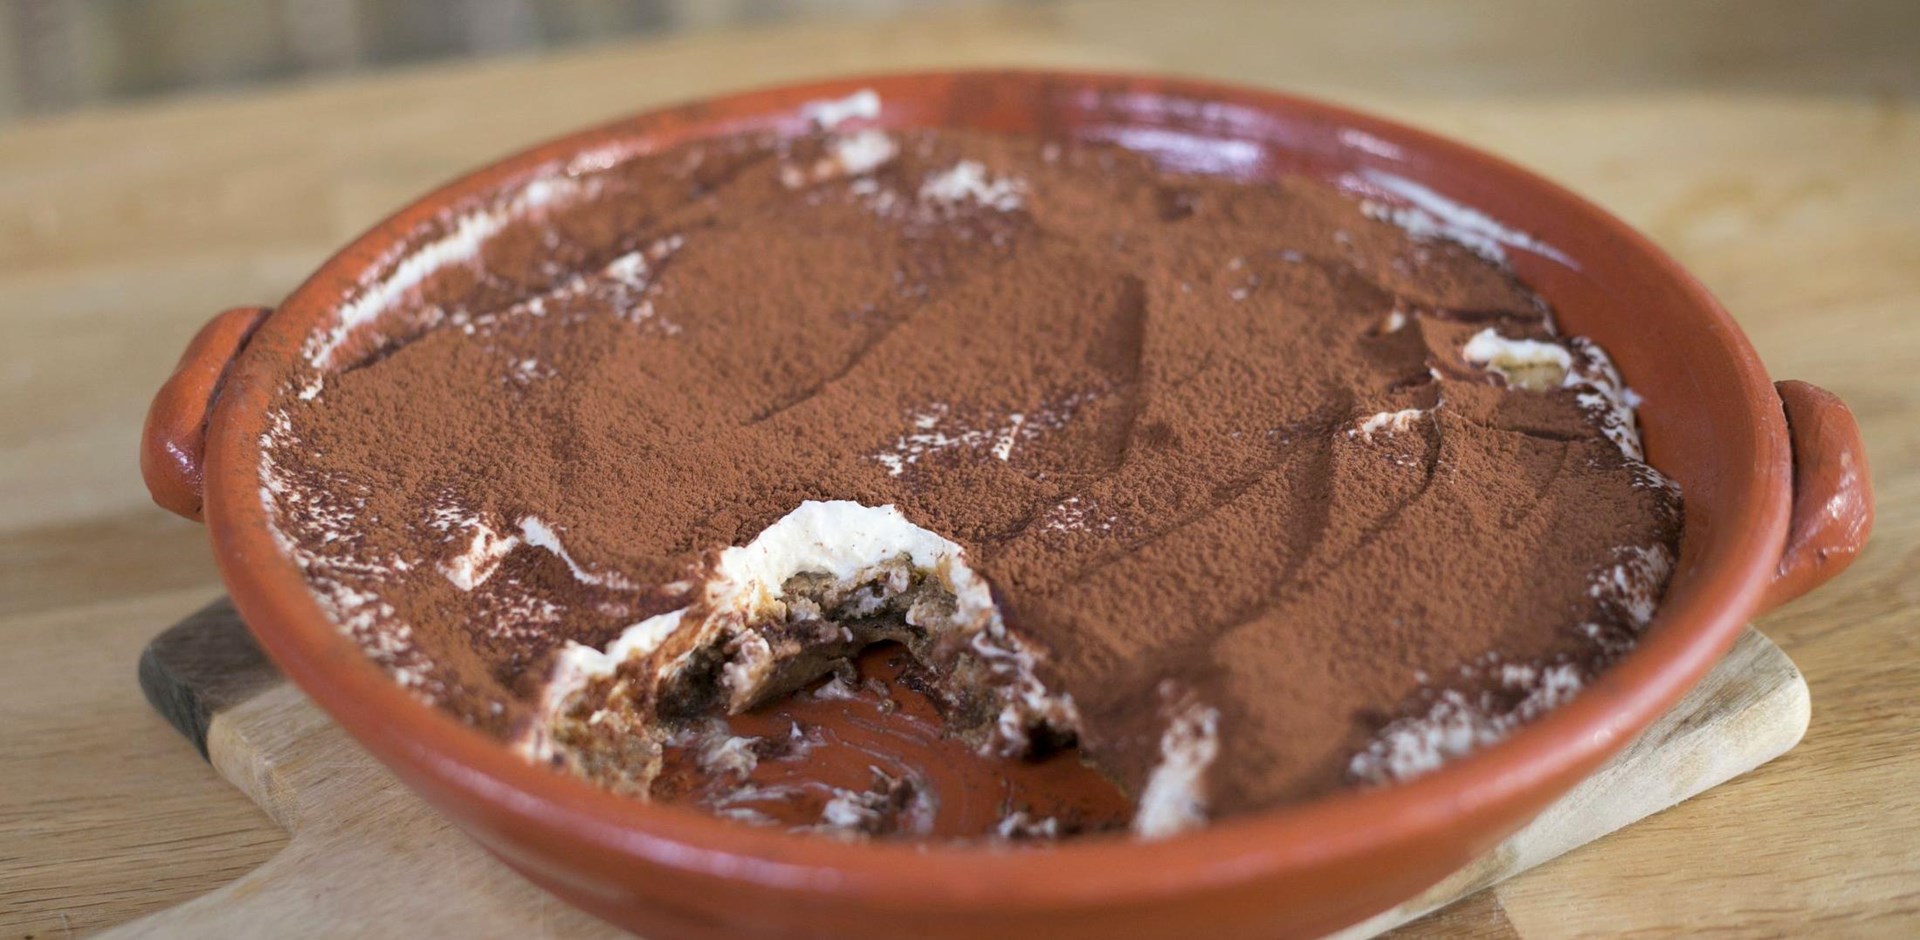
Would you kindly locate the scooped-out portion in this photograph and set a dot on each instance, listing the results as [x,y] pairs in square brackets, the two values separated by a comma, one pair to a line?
[868,752]
[796,606]
[945,485]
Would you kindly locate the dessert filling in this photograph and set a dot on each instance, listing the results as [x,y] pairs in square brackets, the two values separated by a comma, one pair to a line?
[945,485]
[797,603]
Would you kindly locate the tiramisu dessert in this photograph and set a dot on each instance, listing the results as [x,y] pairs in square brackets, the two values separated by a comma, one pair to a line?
[790,475]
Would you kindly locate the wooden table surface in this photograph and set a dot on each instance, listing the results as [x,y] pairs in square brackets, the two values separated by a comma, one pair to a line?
[1773,148]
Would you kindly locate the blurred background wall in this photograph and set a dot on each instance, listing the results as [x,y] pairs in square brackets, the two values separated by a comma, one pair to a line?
[58,55]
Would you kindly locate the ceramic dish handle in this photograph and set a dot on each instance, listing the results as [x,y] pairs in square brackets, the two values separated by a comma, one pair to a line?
[1832,492]
[176,430]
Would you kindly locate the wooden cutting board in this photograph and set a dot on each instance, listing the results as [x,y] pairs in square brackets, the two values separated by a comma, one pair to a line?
[367,858]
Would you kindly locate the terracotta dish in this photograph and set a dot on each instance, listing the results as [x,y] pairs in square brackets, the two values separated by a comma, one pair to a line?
[1777,501]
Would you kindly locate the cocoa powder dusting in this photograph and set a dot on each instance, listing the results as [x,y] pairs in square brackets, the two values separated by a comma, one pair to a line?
[1226,443]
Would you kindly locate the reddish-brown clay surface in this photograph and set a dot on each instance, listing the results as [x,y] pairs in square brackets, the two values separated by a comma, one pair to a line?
[1832,501]
[174,439]
[1712,421]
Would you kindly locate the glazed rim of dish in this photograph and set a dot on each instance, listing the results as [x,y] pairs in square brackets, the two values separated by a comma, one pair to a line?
[1723,573]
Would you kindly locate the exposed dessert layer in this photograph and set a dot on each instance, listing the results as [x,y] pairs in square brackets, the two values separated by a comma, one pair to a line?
[1250,490]
[801,600]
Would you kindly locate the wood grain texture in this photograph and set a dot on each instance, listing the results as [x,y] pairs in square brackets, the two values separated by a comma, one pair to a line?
[1769,145]
[360,840]
[203,666]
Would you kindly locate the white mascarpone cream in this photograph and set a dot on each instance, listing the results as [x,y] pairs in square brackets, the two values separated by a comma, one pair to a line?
[851,544]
